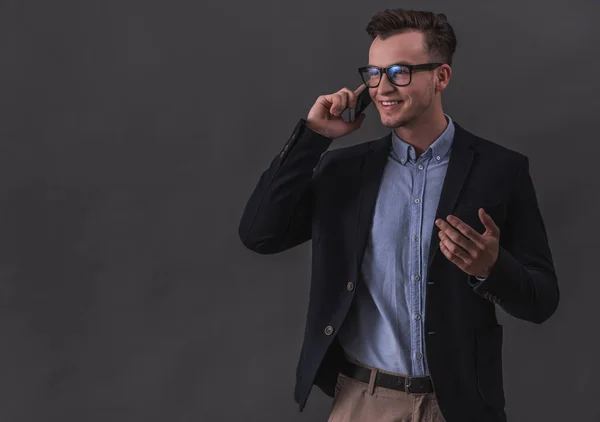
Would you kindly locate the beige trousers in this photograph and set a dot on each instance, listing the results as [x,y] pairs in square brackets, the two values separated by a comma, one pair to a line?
[355,401]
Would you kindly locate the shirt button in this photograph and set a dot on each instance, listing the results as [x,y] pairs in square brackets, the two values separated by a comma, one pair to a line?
[419,356]
[417,277]
[417,201]
[350,286]
[438,158]
[421,167]
[416,238]
[417,317]
[329,330]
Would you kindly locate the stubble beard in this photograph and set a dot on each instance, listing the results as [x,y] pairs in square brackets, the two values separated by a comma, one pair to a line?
[404,118]
[408,117]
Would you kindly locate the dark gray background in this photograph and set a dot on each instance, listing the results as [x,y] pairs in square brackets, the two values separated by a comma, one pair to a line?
[132,133]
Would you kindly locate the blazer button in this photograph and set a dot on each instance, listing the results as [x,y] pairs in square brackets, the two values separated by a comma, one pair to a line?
[350,286]
[329,330]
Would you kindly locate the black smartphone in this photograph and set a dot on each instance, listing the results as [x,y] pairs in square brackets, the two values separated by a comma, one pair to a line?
[363,101]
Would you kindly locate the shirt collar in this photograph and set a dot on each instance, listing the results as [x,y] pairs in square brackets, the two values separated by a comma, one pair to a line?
[438,149]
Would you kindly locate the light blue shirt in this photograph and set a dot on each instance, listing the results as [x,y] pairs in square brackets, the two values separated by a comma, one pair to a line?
[385,325]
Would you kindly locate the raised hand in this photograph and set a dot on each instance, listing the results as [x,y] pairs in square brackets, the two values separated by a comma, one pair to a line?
[474,253]
[325,115]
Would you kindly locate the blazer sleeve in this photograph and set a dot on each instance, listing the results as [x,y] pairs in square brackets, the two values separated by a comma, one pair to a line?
[278,214]
[523,281]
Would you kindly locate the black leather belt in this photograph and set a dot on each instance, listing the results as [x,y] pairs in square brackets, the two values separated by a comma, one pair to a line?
[410,385]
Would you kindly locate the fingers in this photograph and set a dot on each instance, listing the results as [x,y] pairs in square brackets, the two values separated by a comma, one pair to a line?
[331,103]
[456,260]
[343,99]
[351,97]
[339,103]
[454,227]
[360,89]
[449,253]
[455,248]
[456,238]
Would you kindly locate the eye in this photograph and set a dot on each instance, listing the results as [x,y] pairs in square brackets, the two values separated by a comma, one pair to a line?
[398,70]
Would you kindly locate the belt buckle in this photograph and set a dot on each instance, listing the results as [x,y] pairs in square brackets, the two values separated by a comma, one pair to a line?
[407,385]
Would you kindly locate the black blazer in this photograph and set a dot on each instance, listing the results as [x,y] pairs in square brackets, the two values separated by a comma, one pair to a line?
[309,193]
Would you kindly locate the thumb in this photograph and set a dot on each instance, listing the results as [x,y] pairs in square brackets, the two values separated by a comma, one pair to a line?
[490,226]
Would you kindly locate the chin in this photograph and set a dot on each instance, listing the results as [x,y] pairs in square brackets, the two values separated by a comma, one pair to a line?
[394,121]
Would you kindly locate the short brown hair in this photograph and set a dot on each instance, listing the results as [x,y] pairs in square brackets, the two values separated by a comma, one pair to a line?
[440,39]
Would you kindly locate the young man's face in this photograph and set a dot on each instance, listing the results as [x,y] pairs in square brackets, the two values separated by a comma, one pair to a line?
[417,98]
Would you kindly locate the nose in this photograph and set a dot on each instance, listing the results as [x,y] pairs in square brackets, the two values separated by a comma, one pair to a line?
[385,86]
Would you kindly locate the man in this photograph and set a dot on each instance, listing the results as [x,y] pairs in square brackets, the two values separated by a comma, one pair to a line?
[416,238]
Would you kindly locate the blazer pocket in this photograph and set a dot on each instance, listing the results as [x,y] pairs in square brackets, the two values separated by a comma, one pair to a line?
[490,381]
[469,213]
[473,207]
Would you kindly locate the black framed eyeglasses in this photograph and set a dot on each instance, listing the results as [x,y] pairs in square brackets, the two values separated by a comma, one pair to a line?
[398,74]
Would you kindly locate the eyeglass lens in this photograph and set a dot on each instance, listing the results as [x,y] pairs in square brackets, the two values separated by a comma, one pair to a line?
[398,74]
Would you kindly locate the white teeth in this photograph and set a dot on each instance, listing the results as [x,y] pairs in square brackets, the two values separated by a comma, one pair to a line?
[387,103]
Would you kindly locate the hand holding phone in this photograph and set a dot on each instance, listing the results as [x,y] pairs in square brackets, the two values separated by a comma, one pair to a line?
[363,101]
[325,116]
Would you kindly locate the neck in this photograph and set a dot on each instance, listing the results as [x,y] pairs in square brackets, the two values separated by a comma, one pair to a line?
[423,132]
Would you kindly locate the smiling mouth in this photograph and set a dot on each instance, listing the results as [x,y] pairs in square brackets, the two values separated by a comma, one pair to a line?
[386,105]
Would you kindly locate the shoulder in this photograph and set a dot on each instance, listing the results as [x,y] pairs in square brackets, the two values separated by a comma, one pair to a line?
[491,149]
[348,155]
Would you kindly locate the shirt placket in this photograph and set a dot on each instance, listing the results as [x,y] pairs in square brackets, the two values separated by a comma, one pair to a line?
[419,170]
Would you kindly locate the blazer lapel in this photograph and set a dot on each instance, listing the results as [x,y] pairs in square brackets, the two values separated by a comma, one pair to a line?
[461,158]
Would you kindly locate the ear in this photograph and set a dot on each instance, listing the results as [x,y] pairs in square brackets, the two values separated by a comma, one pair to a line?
[443,76]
